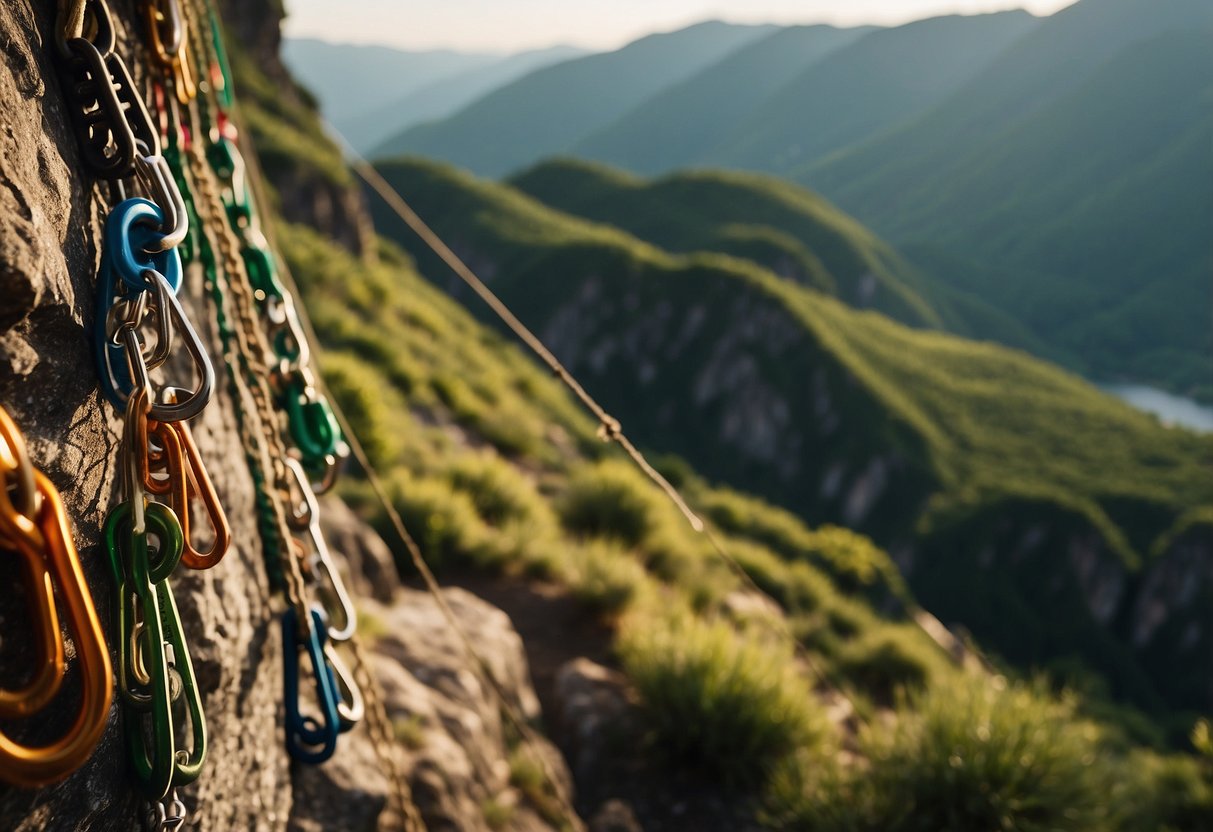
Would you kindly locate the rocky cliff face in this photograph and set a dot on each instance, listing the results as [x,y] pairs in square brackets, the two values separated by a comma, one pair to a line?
[51,216]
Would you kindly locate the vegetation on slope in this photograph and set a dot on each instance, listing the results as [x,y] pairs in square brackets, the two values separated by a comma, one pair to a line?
[496,468]
[723,697]
[779,226]
[955,434]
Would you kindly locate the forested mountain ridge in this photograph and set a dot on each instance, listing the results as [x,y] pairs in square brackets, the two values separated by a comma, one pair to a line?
[683,122]
[858,92]
[1045,174]
[1066,187]
[789,230]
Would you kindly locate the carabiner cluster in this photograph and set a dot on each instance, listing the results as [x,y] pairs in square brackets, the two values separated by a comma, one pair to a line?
[321,614]
[107,112]
[139,322]
[34,527]
[169,513]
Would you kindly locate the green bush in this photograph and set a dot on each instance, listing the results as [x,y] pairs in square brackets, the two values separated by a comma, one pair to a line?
[609,500]
[499,491]
[985,754]
[977,756]
[376,412]
[605,576]
[1166,794]
[716,700]
[890,658]
[443,521]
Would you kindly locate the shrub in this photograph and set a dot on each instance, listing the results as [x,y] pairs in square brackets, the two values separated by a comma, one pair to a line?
[716,700]
[444,522]
[1166,794]
[610,500]
[605,576]
[376,412]
[890,658]
[978,755]
[498,490]
[984,754]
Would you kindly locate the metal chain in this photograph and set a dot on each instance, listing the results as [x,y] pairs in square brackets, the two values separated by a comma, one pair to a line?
[250,334]
[263,433]
[383,739]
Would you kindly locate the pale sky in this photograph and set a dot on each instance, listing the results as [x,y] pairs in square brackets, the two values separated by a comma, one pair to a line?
[511,25]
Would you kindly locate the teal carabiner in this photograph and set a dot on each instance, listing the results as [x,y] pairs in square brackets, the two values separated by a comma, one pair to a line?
[309,739]
[262,274]
[311,422]
[154,667]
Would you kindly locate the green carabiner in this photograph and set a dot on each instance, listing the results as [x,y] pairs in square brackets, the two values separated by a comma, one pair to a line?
[160,522]
[261,272]
[150,650]
[186,765]
[312,425]
[222,156]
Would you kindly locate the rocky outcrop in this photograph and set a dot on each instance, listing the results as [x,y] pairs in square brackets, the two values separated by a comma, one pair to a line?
[451,742]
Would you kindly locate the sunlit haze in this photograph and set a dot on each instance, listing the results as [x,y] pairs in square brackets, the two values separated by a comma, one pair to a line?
[496,26]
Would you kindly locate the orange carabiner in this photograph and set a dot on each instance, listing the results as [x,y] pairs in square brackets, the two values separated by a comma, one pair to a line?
[15,468]
[45,535]
[186,480]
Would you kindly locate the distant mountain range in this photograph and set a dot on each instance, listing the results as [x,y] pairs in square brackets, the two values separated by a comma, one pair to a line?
[551,110]
[370,93]
[1052,172]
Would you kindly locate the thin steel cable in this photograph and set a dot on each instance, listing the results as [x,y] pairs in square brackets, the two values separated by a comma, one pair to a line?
[609,426]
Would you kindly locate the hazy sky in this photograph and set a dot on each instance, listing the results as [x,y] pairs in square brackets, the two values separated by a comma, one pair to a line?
[509,25]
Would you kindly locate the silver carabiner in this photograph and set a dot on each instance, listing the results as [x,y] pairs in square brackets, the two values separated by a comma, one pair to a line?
[157,179]
[350,706]
[338,606]
[191,404]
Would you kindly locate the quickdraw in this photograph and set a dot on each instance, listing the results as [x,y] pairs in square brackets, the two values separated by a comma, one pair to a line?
[34,525]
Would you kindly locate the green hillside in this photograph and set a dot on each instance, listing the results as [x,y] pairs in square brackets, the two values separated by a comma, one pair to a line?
[681,124]
[781,227]
[845,416]
[1089,198]
[551,109]
[857,92]
[787,229]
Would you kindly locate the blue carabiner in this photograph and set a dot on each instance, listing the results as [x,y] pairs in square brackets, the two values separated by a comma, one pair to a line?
[308,739]
[130,230]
